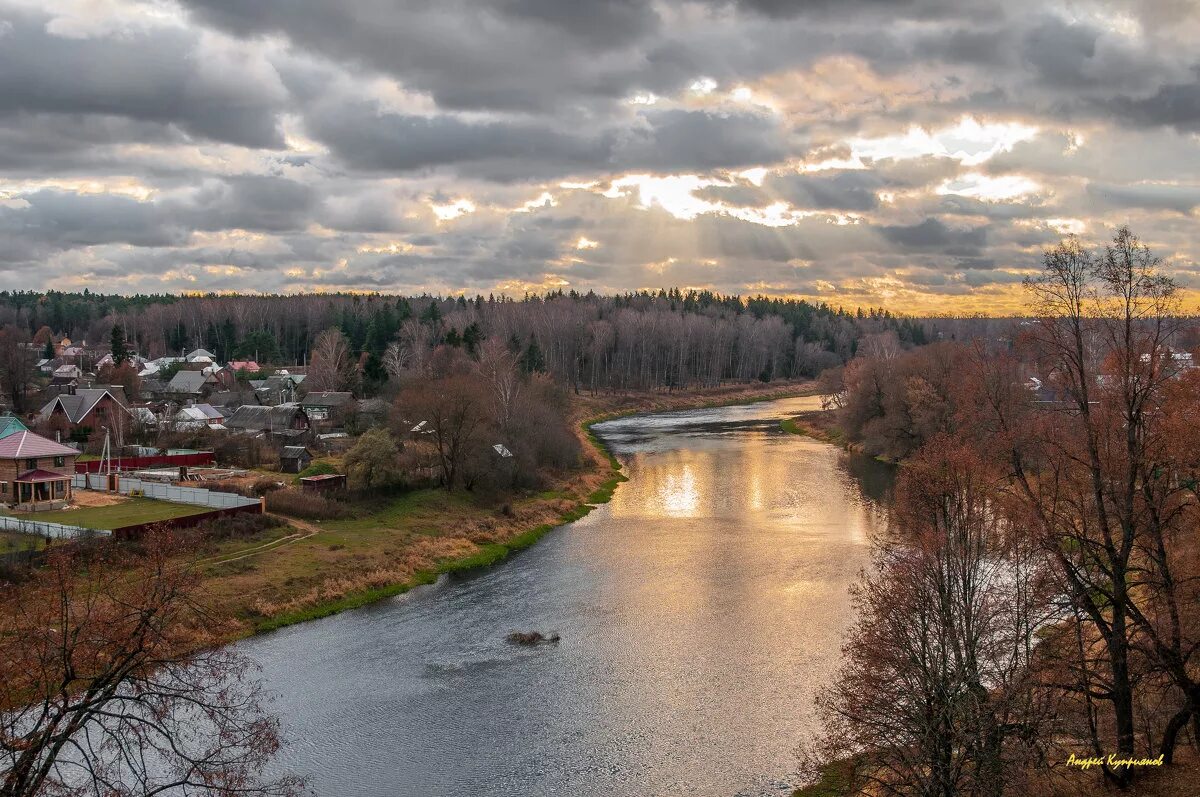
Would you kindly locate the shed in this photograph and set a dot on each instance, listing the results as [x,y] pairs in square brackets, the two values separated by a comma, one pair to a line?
[293,459]
[326,481]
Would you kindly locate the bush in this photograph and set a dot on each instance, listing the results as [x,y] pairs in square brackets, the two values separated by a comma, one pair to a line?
[305,504]
[236,488]
[237,526]
[264,486]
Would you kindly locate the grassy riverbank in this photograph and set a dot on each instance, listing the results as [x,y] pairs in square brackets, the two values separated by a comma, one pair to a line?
[314,569]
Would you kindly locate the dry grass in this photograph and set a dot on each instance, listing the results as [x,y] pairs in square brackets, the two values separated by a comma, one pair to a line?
[83,498]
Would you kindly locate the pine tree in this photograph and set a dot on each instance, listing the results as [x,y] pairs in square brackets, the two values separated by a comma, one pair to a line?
[533,361]
[119,352]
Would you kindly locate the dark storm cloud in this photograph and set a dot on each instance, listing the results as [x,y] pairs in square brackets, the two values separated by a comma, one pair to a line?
[160,78]
[331,131]
[1179,198]
[503,54]
[934,235]
[368,138]
[249,202]
[56,220]
[833,190]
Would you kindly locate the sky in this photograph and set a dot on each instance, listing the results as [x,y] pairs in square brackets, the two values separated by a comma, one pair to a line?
[911,154]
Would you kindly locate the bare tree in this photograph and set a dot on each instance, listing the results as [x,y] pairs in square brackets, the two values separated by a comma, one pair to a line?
[113,682]
[933,689]
[498,366]
[332,365]
[17,358]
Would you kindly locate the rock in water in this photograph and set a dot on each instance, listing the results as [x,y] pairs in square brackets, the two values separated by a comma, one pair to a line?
[530,637]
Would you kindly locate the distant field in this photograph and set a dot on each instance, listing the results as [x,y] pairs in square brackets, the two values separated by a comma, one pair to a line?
[127,513]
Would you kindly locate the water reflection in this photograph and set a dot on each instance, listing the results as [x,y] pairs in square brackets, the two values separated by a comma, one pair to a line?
[699,610]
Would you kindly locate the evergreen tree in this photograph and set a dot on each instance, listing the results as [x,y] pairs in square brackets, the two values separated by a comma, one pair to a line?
[119,351]
[432,314]
[472,337]
[533,361]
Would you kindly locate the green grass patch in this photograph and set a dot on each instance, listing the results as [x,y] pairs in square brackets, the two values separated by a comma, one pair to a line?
[11,541]
[126,513]
[318,468]
[837,780]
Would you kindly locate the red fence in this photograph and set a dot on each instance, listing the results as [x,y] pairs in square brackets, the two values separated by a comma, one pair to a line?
[200,458]
[127,532]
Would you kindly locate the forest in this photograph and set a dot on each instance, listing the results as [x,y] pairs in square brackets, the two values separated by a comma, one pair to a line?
[665,339]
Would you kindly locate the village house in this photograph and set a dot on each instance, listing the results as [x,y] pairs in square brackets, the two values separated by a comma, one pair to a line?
[35,473]
[286,422]
[67,371]
[278,388]
[249,366]
[79,414]
[11,424]
[195,385]
[325,407]
[195,416]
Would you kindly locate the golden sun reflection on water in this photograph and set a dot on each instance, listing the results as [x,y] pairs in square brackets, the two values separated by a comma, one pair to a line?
[678,494]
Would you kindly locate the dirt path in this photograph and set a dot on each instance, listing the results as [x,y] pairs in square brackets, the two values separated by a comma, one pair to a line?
[309,530]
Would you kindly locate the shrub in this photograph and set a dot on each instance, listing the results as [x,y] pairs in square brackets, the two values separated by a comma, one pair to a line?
[305,504]
[264,486]
[237,526]
[236,488]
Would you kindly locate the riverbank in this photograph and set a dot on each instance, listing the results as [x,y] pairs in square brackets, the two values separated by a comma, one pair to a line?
[819,425]
[310,570]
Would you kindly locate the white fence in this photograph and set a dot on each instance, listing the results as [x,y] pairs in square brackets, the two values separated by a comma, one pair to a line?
[41,529]
[196,496]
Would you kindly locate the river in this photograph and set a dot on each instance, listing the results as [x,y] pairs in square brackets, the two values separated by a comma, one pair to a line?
[699,611]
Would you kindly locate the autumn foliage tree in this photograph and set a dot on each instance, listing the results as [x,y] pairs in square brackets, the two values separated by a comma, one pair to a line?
[1086,421]
[933,689]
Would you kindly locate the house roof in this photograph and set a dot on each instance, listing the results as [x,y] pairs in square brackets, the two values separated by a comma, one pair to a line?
[201,354]
[244,365]
[77,405]
[27,444]
[327,399]
[39,475]
[199,412]
[259,418]
[187,382]
[10,424]
[292,452]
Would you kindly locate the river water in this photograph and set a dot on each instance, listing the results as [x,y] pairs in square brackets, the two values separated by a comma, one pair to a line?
[699,611]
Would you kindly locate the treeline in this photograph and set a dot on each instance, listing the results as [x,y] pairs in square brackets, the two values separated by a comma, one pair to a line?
[1039,595]
[669,338]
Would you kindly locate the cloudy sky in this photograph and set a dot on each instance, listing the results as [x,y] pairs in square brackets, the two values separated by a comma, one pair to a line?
[916,154]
